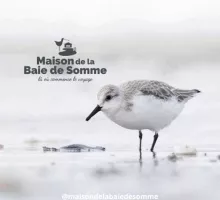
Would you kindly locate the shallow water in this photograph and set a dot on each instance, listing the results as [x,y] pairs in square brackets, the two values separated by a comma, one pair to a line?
[34,174]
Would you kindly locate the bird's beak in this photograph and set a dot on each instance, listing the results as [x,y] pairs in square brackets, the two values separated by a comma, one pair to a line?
[96,110]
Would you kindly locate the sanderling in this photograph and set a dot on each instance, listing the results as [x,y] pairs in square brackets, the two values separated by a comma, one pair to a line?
[142,104]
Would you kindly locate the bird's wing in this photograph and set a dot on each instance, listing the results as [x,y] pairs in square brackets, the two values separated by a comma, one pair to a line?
[157,89]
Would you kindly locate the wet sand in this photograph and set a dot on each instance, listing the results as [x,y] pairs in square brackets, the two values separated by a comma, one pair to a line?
[30,175]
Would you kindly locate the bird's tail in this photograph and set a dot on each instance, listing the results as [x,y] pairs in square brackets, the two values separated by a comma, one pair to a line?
[185,95]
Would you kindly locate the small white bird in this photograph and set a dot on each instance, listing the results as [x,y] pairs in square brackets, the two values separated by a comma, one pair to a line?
[142,104]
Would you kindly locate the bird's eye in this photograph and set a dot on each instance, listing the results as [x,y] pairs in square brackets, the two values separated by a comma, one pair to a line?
[108,97]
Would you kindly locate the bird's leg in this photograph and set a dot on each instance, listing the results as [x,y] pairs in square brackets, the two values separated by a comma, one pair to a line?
[140,137]
[154,142]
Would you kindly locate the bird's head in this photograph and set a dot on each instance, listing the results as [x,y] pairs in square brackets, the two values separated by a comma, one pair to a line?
[109,100]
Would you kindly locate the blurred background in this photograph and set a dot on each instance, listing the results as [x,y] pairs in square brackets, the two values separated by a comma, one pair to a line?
[173,41]
[177,42]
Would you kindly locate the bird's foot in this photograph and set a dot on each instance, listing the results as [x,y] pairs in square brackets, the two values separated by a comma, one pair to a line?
[154,153]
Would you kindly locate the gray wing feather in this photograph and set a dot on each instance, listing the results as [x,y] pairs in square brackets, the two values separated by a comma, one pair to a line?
[157,89]
[161,93]
[165,92]
[185,95]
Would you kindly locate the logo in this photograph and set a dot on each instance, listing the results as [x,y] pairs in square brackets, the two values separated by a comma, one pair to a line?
[68,50]
[59,68]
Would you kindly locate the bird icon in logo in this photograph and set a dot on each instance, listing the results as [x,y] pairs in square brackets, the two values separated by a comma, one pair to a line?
[67,50]
[59,43]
